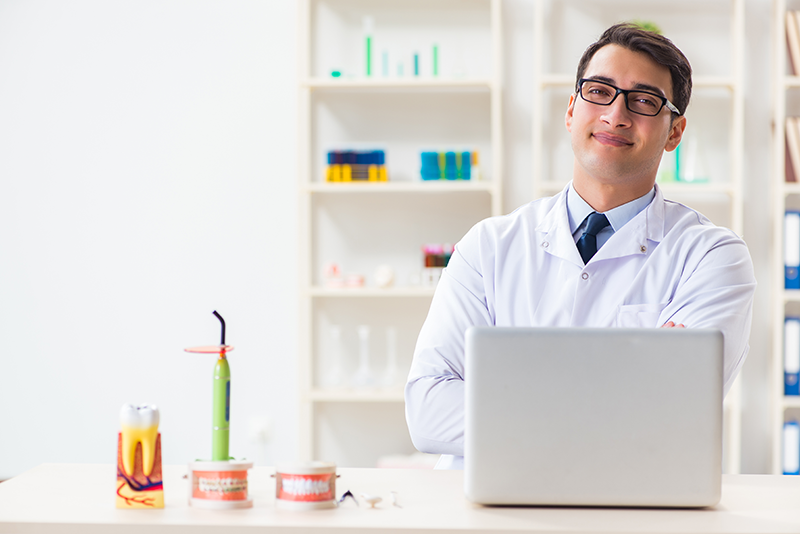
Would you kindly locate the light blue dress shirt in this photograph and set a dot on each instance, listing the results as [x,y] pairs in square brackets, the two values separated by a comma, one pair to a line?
[578,210]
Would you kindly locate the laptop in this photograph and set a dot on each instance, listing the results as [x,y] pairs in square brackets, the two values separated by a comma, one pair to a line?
[593,417]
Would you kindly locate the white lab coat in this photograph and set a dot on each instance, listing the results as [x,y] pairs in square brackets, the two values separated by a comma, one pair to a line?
[523,269]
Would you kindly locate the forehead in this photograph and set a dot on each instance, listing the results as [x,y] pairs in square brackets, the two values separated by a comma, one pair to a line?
[629,70]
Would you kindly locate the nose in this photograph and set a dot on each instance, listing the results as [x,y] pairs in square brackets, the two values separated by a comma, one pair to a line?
[617,114]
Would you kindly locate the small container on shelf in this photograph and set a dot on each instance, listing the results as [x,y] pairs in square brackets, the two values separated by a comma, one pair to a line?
[356,166]
[449,165]
[436,258]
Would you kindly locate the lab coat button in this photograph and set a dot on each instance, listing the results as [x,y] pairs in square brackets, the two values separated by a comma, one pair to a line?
[545,244]
[585,276]
[643,249]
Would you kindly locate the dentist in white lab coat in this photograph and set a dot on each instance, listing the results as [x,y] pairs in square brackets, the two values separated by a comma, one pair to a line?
[648,263]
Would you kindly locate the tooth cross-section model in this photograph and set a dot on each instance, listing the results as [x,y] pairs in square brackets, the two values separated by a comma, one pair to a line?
[139,482]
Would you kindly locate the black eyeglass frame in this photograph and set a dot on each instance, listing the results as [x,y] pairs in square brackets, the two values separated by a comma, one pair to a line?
[625,92]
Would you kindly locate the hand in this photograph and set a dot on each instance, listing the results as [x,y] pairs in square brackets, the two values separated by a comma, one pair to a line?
[671,324]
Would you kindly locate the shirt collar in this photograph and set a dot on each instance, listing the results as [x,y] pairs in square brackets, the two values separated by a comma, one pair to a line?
[578,210]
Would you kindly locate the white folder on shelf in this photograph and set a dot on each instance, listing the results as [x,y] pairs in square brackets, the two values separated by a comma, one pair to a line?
[791,249]
[791,448]
[791,356]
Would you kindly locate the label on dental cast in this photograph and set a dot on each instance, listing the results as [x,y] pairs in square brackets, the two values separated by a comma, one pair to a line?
[220,485]
[306,488]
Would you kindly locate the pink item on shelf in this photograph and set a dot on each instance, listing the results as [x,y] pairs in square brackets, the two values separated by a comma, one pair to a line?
[354,280]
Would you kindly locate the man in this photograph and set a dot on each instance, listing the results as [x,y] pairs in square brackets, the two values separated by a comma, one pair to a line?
[608,251]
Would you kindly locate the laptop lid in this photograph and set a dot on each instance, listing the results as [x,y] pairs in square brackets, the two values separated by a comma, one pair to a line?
[590,416]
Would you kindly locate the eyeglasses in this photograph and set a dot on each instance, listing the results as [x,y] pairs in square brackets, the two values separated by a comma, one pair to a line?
[639,102]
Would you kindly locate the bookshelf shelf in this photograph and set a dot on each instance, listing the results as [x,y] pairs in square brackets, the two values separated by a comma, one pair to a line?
[438,186]
[356,395]
[668,188]
[347,84]
[370,292]
[698,188]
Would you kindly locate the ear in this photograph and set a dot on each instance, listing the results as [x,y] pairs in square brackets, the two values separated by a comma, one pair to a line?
[570,109]
[675,134]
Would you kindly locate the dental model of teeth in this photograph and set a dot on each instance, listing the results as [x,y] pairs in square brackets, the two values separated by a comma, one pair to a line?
[308,486]
[139,480]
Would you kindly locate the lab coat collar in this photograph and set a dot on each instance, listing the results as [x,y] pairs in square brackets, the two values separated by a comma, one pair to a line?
[647,225]
[557,239]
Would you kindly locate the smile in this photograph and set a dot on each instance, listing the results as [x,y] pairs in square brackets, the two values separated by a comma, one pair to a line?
[610,139]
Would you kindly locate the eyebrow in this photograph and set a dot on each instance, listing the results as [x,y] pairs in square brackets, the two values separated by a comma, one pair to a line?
[638,86]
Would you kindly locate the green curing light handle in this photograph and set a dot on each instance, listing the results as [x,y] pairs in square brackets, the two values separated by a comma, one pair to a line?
[220,432]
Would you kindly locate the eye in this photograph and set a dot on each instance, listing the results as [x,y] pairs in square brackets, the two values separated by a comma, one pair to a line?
[645,100]
[598,90]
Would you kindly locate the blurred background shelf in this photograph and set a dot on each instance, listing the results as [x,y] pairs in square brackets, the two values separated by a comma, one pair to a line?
[363,226]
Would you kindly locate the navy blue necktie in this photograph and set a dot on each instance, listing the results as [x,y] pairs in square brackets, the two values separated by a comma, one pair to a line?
[587,244]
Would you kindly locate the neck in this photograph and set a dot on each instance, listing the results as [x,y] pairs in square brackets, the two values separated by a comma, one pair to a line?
[603,196]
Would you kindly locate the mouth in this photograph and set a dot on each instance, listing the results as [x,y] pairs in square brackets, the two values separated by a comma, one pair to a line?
[608,139]
[139,425]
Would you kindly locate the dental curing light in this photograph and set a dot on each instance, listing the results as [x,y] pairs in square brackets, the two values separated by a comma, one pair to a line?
[221,482]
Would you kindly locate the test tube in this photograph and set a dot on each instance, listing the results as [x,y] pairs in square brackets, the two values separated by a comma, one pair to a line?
[363,376]
[334,375]
[391,374]
[368,27]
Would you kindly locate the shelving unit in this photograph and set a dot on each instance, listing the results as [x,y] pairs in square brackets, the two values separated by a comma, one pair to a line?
[564,28]
[785,195]
[361,225]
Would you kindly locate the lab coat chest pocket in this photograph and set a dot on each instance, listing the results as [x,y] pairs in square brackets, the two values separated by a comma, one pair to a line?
[639,315]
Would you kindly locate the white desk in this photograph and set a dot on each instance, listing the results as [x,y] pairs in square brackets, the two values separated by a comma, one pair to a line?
[80,498]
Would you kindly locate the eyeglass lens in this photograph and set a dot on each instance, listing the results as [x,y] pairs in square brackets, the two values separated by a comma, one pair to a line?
[639,102]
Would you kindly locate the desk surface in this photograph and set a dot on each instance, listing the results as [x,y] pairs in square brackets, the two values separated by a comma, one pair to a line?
[80,498]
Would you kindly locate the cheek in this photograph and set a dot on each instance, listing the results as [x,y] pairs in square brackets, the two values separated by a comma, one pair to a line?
[659,136]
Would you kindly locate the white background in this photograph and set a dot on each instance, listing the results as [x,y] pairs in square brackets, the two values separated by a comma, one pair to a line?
[148,176]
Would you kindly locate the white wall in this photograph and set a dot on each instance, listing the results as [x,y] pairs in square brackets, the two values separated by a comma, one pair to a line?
[147,174]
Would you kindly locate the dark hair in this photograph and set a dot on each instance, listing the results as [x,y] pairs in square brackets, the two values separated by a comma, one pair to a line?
[659,48]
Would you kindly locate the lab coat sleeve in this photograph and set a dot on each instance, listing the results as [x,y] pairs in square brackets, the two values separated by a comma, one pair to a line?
[718,293]
[434,393]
